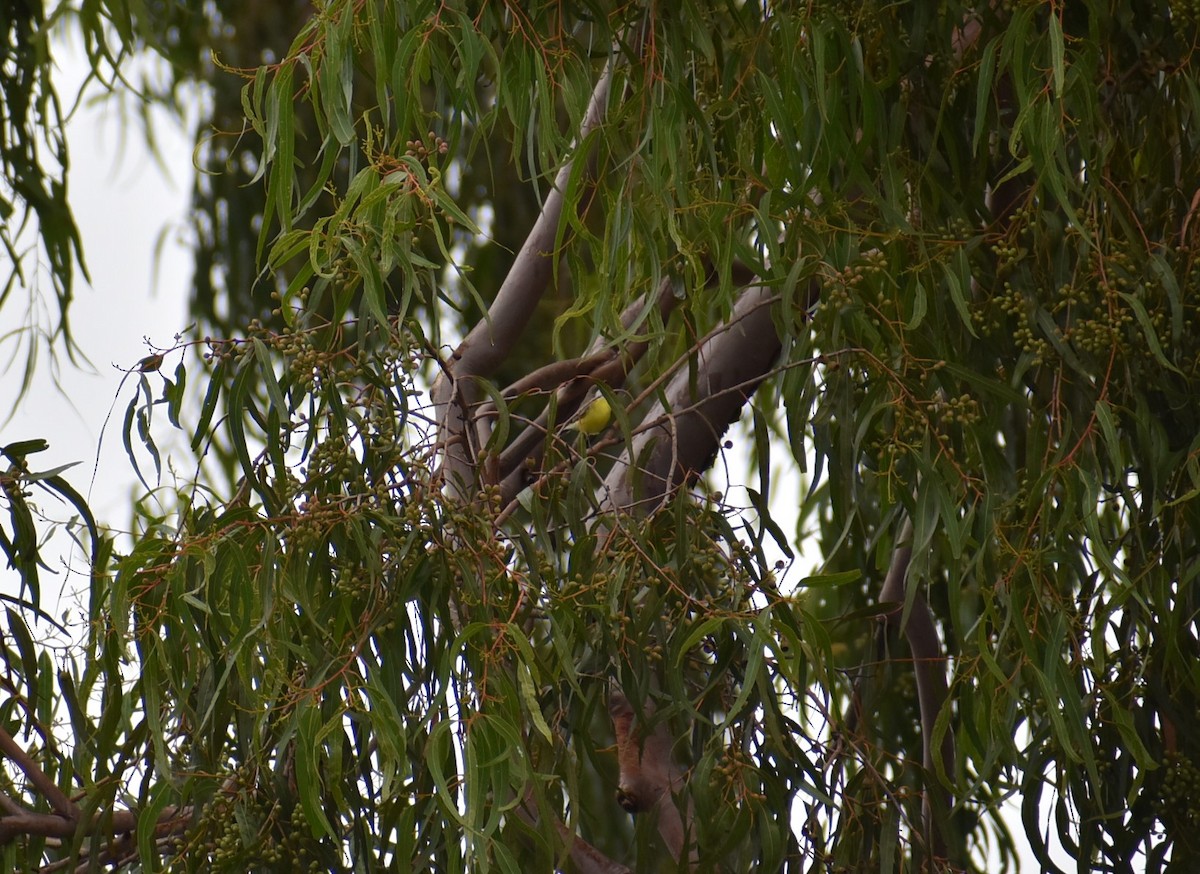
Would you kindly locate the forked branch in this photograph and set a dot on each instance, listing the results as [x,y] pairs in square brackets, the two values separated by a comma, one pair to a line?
[66,822]
[493,338]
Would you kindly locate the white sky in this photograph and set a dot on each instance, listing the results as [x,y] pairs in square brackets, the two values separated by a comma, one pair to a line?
[124,203]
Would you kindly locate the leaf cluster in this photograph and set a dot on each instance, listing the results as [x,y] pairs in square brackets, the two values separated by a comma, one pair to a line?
[978,223]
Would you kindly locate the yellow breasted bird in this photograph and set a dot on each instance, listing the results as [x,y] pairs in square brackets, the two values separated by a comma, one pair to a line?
[594,419]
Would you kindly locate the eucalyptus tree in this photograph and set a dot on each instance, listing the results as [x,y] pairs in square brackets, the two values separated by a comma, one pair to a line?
[939,256]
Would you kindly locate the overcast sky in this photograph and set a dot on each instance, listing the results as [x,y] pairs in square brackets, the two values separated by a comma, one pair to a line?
[126,204]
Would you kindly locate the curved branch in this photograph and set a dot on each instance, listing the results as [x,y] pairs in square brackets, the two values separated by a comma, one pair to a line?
[66,822]
[494,336]
[497,333]
[698,407]
[607,363]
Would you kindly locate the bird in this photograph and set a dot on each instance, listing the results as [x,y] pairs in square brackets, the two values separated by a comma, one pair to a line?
[595,418]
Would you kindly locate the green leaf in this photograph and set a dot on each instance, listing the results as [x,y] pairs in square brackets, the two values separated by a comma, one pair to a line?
[60,485]
[529,699]
[918,309]
[208,407]
[149,812]
[29,659]
[983,92]
[16,452]
[267,369]
[889,838]
[239,403]
[173,392]
[1148,332]
[282,176]
[309,760]
[756,647]
[842,578]
[958,278]
[702,630]
[769,524]
[439,744]
[1057,63]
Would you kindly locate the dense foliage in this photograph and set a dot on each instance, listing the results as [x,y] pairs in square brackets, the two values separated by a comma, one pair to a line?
[945,255]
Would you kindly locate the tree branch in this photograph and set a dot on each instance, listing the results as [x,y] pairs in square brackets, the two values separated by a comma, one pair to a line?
[680,442]
[587,859]
[608,364]
[494,336]
[649,777]
[698,407]
[66,822]
[11,807]
[929,669]
[63,806]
